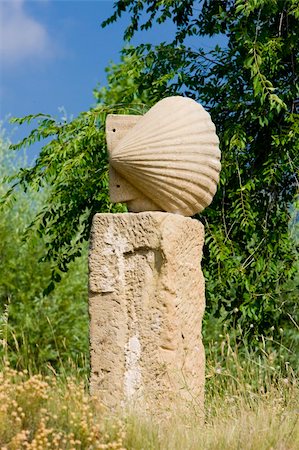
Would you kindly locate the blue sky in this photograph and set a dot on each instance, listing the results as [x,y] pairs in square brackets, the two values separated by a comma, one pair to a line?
[54,52]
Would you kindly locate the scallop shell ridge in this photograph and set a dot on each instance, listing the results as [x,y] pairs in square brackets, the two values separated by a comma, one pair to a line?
[172,156]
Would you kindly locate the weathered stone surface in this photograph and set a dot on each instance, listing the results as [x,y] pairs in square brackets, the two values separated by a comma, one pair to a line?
[146,300]
[120,190]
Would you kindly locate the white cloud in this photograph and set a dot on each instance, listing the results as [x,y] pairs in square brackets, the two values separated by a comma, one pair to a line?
[21,36]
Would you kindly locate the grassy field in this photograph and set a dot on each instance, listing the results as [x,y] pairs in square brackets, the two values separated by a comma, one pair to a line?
[249,405]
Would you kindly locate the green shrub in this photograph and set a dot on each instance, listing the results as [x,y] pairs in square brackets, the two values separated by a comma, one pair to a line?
[38,331]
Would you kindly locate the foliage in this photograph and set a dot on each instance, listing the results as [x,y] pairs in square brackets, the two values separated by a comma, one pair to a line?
[250,86]
[37,332]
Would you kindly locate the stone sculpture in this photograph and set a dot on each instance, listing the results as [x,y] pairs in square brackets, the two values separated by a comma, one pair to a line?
[169,160]
[146,288]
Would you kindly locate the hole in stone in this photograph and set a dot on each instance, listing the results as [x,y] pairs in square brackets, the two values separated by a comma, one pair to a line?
[114,130]
[118,185]
[183,336]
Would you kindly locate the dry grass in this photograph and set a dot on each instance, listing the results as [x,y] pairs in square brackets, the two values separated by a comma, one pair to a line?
[243,421]
[38,413]
[267,422]
[51,413]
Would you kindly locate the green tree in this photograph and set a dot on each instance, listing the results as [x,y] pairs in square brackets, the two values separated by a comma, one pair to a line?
[73,166]
[250,86]
[37,332]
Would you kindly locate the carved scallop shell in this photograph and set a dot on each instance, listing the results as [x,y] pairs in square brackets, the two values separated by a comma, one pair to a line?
[172,156]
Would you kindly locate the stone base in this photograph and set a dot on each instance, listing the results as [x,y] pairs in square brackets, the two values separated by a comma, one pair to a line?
[146,302]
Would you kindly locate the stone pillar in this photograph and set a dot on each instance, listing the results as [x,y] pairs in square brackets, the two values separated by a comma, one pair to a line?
[146,302]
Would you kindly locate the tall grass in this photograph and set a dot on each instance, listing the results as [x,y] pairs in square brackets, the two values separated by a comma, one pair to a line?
[249,405]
